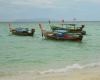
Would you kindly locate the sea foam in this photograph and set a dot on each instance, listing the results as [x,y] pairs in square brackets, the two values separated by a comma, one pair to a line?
[70,68]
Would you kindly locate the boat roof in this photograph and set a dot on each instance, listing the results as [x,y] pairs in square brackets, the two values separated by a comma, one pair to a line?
[70,24]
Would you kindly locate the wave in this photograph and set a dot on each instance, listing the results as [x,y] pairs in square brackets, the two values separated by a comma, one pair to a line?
[70,68]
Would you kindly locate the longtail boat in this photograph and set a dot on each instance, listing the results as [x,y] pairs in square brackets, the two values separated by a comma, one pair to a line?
[60,35]
[21,31]
[69,28]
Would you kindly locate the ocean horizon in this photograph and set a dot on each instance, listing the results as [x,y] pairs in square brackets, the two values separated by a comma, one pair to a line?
[41,20]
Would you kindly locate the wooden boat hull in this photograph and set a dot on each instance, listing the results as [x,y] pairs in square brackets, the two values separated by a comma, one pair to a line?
[14,32]
[65,37]
[72,39]
[22,33]
[77,30]
[60,35]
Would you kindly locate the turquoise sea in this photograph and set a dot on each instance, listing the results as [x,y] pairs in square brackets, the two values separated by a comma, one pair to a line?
[22,54]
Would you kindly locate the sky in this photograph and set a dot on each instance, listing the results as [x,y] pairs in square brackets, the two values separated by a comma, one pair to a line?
[82,10]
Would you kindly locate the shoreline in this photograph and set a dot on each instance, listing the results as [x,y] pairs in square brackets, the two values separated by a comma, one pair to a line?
[88,73]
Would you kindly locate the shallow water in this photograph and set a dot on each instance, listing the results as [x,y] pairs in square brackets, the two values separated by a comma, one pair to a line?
[18,53]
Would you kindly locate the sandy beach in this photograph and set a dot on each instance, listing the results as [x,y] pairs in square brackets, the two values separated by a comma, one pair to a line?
[84,74]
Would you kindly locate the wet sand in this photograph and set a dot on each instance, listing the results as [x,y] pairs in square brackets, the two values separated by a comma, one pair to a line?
[84,74]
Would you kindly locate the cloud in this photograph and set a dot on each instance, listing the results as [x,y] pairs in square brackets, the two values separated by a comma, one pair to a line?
[44,8]
[44,3]
[32,2]
[28,3]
